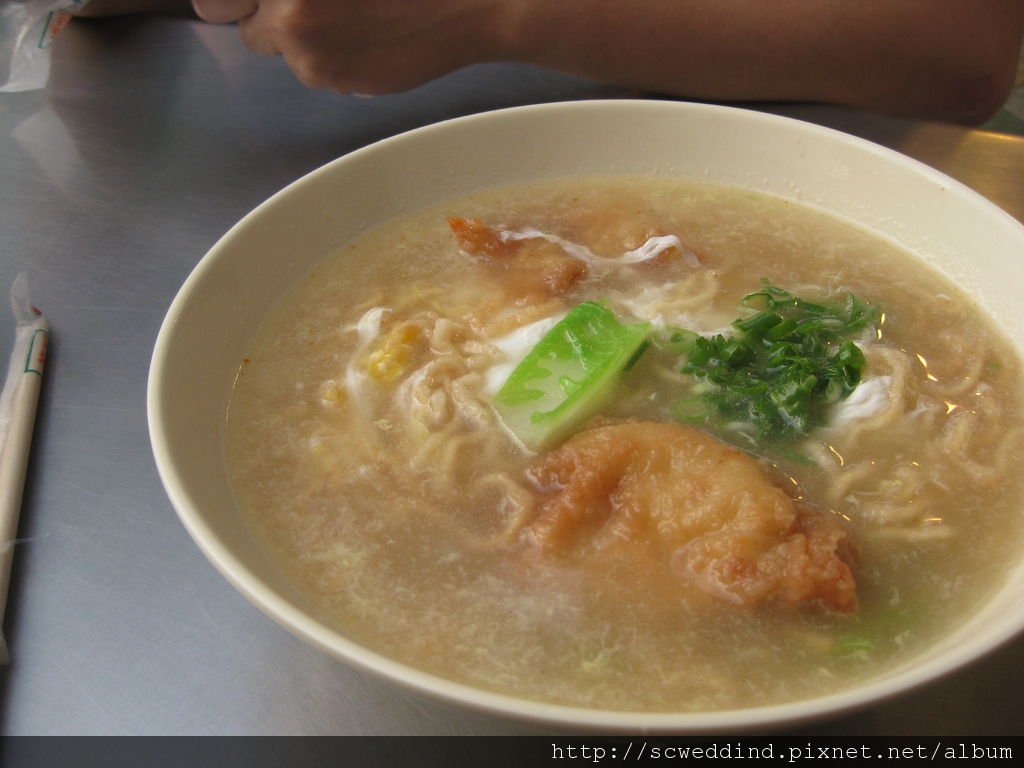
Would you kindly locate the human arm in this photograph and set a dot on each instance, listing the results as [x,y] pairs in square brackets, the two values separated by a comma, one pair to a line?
[941,59]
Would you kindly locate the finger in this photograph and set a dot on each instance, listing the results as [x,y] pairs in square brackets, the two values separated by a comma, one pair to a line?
[258,34]
[224,11]
[310,71]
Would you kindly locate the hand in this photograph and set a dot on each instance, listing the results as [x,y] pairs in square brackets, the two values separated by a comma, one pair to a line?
[366,46]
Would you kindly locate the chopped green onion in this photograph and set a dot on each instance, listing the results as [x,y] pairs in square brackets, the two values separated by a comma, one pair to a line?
[789,360]
[852,644]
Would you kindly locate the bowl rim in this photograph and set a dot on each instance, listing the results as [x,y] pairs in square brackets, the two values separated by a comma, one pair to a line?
[305,626]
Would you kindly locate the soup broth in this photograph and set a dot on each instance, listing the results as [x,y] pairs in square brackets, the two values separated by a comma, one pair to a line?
[365,449]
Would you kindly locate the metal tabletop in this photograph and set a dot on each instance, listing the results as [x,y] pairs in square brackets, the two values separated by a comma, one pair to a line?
[152,138]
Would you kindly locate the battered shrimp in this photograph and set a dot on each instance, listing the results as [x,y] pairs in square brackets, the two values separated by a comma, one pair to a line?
[657,500]
[615,230]
[532,271]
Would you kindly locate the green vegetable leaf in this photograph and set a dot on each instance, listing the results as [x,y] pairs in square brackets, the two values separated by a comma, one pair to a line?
[789,360]
[850,645]
[568,375]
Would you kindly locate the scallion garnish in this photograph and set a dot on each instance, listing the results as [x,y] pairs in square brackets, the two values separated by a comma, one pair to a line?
[789,360]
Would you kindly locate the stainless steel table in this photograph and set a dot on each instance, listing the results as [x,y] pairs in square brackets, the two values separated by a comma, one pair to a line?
[153,137]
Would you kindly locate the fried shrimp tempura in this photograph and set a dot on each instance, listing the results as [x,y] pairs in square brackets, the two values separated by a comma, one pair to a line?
[642,497]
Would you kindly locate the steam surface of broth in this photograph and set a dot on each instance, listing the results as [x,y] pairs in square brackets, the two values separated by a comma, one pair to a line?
[363,450]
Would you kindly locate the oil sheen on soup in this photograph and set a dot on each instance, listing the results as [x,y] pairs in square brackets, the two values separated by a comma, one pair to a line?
[633,444]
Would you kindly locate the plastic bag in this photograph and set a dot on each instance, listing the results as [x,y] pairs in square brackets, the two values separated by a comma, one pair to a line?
[27,30]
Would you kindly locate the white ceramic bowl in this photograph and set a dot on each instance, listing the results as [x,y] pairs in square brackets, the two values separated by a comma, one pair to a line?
[210,322]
